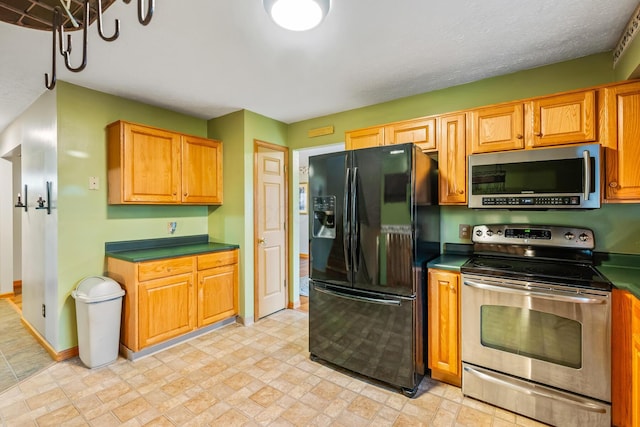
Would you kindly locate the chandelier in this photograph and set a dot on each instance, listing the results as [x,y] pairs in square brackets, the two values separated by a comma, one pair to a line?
[61,16]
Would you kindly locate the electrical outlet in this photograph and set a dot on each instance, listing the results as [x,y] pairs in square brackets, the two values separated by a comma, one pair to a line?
[94,183]
[464,231]
[171,227]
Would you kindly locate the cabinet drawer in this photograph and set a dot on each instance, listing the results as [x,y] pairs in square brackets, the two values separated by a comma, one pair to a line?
[165,267]
[217,259]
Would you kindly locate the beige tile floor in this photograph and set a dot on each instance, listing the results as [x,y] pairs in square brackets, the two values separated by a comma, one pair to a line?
[235,376]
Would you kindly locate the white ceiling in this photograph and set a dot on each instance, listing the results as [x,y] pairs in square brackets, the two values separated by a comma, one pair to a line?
[207,58]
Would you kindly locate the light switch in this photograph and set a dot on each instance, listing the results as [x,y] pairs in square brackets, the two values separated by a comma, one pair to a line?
[94,183]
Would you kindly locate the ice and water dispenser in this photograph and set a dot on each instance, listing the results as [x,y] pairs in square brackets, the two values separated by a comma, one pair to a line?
[324,218]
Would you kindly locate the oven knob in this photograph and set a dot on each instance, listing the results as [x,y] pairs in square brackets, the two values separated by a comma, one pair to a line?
[478,233]
[569,235]
[489,233]
[583,237]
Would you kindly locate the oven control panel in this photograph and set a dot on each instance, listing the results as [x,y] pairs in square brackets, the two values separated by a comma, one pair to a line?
[539,235]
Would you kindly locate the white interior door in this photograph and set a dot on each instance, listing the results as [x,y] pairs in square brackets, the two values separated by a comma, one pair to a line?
[270,229]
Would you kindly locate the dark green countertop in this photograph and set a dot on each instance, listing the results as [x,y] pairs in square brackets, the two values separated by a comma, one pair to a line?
[622,270]
[172,247]
[448,262]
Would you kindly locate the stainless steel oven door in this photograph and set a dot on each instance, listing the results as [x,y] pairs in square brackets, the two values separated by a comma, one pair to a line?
[554,335]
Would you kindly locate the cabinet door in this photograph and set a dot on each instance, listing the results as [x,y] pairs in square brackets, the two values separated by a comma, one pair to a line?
[151,165]
[444,326]
[201,170]
[564,119]
[623,143]
[217,294]
[452,157]
[497,128]
[166,308]
[364,138]
[421,132]
[635,364]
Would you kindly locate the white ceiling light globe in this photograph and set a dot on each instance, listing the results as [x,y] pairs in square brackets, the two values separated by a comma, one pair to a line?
[297,15]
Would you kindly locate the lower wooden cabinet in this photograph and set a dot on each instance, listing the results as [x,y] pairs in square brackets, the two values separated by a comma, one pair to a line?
[444,326]
[625,359]
[165,308]
[170,297]
[217,287]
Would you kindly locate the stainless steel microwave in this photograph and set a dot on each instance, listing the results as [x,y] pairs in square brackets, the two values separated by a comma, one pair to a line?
[547,178]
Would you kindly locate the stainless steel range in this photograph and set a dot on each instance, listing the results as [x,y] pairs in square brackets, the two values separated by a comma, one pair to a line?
[536,324]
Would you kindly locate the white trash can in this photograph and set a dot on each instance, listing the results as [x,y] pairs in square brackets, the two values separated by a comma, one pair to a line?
[98,310]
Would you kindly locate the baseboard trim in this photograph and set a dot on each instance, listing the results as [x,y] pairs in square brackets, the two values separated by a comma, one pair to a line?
[8,295]
[293,305]
[246,321]
[57,356]
[135,355]
[306,256]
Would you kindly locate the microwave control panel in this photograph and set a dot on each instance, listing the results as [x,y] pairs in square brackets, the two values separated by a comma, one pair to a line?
[532,201]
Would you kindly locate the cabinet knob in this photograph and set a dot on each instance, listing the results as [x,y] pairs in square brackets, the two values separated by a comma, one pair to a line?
[519,136]
[261,241]
[460,191]
[613,184]
[186,194]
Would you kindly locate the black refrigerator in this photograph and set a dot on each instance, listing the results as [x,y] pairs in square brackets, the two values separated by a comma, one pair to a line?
[374,223]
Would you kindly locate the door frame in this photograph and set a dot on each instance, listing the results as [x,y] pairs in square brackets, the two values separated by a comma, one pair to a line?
[256,144]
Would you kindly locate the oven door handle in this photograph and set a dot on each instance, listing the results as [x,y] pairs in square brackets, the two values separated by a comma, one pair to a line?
[533,390]
[537,294]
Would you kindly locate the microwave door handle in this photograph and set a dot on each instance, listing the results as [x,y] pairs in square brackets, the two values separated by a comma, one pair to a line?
[587,174]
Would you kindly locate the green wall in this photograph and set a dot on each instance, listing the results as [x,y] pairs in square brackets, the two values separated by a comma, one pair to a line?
[233,221]
[85,221]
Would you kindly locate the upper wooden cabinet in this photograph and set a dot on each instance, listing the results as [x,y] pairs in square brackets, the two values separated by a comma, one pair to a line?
[497,128]
[569,118]
[452,159]
[563,119]
[201,170]
[364,138]
[622,149]
[147,165]
[421,132]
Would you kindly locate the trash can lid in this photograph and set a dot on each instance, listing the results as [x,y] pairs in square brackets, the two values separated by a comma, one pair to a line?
[96,289]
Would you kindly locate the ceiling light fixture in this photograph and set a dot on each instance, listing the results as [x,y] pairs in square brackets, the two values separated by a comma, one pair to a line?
[297,15]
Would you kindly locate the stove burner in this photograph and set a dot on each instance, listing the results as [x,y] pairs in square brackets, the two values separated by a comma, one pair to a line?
[494,264]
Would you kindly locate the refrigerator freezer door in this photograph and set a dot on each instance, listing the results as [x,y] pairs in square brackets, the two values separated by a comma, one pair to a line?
[372,334]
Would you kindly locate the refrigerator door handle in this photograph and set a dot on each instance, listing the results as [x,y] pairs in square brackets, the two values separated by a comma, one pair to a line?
[358,297]
[355,228]
[346,224]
